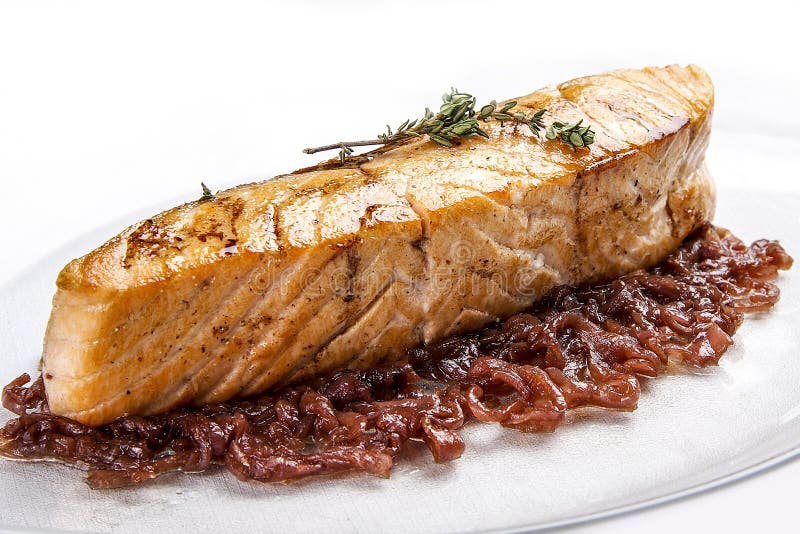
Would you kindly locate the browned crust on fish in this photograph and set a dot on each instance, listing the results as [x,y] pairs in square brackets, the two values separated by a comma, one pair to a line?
[345,266]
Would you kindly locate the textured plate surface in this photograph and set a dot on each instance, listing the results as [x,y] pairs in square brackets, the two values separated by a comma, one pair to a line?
[693,430]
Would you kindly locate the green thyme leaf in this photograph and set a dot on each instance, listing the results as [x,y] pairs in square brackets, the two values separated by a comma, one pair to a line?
[457,118]
[574,135]
[507,106]
[207,194]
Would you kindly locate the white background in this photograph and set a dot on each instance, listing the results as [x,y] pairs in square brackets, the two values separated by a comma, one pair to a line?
[107,108]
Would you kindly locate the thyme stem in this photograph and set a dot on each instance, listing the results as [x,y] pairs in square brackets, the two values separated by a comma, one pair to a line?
[458,118]
[343,144]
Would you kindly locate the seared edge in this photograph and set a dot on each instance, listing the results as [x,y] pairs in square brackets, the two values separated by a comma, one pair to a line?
[327,268]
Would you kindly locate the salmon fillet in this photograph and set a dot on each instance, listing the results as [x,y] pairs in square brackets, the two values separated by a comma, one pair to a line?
[349,265]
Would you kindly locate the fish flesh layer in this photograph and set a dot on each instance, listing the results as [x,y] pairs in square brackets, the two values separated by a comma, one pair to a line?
[348,265]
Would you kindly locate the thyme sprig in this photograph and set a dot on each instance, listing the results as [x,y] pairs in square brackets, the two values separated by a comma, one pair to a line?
[207,194]
[458,118]
[574,135]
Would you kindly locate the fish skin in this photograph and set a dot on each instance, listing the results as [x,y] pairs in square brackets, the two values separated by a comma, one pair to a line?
[346,266]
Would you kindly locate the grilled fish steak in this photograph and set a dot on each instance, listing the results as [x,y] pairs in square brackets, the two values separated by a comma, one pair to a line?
[350,265]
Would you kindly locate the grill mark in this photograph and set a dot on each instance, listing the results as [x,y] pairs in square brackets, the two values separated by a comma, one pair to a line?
[236,209]
[352,264]
[275,219]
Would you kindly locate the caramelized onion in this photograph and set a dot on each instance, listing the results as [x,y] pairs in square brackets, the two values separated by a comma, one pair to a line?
[582,346]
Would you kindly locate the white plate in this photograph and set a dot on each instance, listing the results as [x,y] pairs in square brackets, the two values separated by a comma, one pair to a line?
[691,432]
